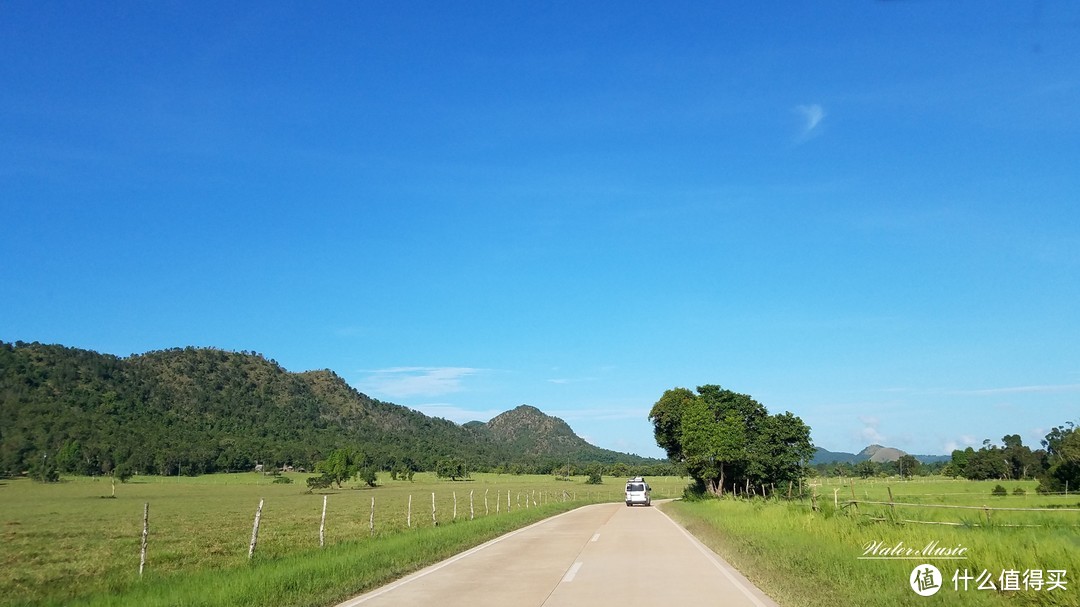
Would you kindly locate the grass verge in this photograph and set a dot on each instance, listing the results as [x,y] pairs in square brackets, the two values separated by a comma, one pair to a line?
[316,578]
[812,559]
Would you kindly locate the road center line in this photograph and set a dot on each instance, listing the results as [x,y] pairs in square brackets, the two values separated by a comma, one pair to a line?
[569,577]
[357,600]
[595,538]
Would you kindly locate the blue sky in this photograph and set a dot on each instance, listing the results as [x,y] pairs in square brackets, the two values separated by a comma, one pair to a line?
[865,213]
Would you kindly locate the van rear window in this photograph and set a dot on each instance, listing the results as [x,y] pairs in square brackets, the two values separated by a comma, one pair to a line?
[635,487]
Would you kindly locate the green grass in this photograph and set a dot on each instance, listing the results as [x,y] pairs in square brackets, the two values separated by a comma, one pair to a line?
[811,558]
[70,541]
[321,577]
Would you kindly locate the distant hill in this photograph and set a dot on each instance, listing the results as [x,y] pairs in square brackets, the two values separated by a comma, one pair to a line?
[824,456]
[879,454]
[875,453]
[528,431]
[196,410]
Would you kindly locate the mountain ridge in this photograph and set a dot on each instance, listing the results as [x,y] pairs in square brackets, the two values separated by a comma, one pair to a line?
[194,410]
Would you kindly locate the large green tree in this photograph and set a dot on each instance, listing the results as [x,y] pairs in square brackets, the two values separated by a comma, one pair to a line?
[1012,460]
[1063,459]
[452,468]
[341,465]
[726,439]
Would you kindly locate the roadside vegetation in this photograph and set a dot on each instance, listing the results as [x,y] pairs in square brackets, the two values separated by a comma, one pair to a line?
[807,557]
[814,537]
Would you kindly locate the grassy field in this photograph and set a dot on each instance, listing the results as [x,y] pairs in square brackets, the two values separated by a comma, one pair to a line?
[71,544]
[71,541]
[810,558]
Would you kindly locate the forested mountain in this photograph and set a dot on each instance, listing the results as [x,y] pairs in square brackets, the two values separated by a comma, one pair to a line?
[531,433]
[196,410]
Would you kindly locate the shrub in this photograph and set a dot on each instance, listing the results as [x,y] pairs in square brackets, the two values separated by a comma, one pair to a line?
[122,472]
[999,491]
[696,492]
[322,481]
[369,475]
[282,480]
[1019,491]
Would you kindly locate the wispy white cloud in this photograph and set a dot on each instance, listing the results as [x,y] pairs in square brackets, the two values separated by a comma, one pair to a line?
[1030,389]
[1018,390]
[350,331]
[869,431]
[601,414]
[964,441]
[812,115]
[455,413]
[570,380]
[417,381]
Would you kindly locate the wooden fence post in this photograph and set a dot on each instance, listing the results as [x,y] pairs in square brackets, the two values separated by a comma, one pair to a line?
[145,533]
[433,521]
[322,523]
[371,521]
[408,513]
[472,515]
[454,518]
[892,506]
[255,530]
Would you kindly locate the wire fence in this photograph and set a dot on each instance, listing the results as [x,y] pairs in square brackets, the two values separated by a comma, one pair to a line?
[400,515]
[887,511]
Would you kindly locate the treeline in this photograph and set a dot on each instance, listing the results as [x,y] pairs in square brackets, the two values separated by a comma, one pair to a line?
[201,410]
[728,442]
[905,466]
[1056,465]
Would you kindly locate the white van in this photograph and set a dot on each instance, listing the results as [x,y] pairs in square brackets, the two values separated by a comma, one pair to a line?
[637,492]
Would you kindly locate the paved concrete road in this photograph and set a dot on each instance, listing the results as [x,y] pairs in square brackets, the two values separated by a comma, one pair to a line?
[599,555]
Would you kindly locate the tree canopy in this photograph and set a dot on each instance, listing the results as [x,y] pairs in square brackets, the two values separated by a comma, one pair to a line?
[727,440]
